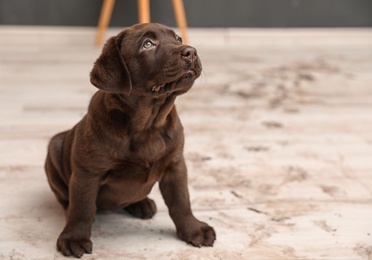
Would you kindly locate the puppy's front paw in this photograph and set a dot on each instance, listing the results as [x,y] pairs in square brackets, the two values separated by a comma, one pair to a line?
[70,246]
[198,234]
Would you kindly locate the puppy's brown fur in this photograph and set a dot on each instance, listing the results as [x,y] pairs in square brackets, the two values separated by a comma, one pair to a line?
[130,138]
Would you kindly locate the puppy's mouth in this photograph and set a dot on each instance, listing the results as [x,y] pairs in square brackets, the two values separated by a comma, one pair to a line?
[164,87]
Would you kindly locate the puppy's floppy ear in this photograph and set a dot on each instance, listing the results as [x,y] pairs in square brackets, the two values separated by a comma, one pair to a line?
[110,71]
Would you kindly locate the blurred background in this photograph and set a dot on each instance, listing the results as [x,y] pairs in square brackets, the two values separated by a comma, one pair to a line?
[200,13]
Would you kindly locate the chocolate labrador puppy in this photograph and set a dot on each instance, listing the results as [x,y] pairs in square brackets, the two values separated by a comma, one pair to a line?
[130,138]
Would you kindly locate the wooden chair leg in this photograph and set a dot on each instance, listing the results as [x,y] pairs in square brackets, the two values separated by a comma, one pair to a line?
[179,12]
[104,19]
[144,11]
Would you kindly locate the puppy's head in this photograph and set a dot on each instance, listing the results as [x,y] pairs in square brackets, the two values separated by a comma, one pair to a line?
[146,59]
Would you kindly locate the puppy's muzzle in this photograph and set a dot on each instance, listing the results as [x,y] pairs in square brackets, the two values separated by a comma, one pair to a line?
[189,54]
[192,64]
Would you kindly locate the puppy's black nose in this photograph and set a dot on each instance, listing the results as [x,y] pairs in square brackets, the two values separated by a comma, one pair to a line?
[189,53]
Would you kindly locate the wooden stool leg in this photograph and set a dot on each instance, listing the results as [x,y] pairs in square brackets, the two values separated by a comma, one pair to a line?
[179,12]
[144,11]
[104,19]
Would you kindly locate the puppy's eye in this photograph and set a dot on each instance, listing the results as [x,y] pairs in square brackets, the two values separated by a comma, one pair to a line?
[179,39]
[148,44]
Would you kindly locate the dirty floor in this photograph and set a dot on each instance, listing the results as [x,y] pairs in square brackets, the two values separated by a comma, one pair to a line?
[278,145]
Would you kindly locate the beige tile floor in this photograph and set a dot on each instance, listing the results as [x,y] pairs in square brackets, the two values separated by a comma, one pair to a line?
[278,145]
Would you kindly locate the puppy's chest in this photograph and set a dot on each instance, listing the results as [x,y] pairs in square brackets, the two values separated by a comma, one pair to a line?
[150,146]
[137,166]
[143,159]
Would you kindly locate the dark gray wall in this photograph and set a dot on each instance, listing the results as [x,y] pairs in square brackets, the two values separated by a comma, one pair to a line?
[200,13]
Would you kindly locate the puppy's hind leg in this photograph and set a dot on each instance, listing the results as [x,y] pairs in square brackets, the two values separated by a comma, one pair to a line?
[144,209]
[54,169]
